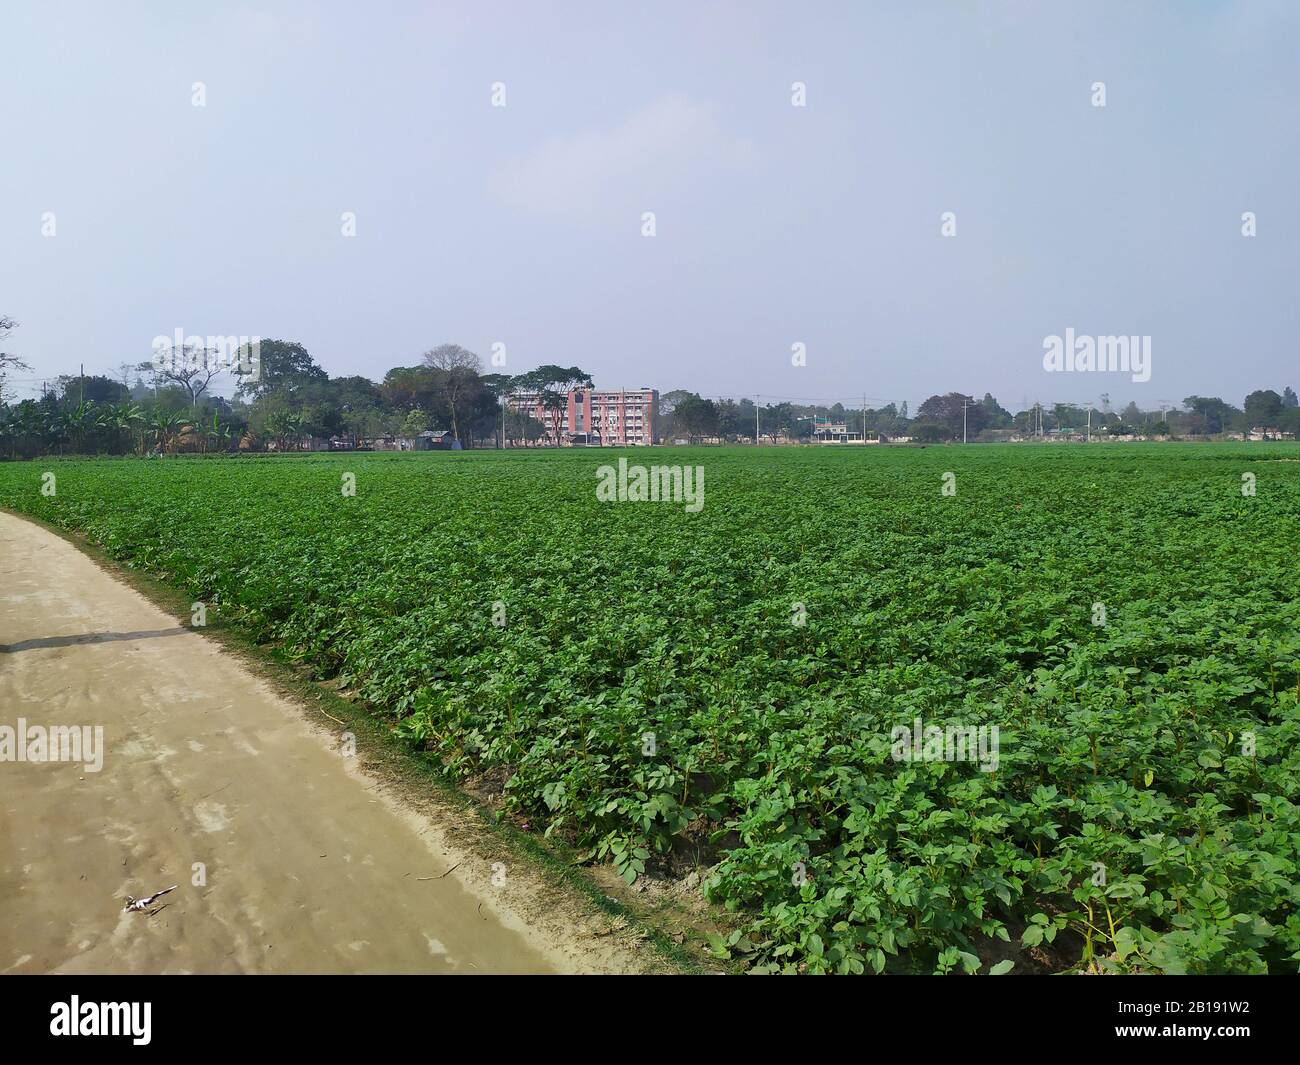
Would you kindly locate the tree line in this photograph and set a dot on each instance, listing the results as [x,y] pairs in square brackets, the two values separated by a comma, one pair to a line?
[287,401]
[283,402]
[956,416]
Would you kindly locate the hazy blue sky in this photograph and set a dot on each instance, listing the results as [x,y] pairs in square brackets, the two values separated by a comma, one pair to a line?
[775,224]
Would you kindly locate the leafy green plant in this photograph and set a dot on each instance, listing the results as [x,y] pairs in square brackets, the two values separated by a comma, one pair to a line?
[1143,814]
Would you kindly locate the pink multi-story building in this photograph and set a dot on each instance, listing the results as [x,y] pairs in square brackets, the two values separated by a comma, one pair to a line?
[624,417]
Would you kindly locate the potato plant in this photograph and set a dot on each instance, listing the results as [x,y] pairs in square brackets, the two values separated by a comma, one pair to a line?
[650,684]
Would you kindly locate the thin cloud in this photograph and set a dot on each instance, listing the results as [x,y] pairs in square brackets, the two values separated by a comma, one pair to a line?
[654,150]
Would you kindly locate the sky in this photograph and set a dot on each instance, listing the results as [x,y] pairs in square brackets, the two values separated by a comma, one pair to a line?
[128,212]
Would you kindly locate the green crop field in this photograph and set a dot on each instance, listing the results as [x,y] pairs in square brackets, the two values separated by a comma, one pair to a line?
[659,687]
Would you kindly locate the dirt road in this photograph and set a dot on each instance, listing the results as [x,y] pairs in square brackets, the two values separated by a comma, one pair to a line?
[287,856]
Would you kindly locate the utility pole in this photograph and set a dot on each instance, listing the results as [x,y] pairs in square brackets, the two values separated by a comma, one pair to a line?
[1090,423]
[964,405]
[756,398]
[83,382]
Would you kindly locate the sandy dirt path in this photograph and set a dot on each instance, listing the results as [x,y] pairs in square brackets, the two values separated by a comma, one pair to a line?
[310,866]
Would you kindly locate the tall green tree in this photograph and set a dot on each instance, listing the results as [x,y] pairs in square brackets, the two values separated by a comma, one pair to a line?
[282,366]
[947,410]
[552,384]
[1262,407]
[1209,414]
[696,418]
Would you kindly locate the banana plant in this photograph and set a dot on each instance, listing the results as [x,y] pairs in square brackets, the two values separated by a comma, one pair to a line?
[285,426]
[124,418]
[164,426]
[81,422]
[219,433]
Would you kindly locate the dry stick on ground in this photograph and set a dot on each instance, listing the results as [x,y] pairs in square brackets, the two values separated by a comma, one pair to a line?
[440,875]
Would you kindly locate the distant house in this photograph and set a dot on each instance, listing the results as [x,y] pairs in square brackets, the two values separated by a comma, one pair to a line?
[1262,433]
[830,431]
[998,436]
[429,440]
[435,440]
